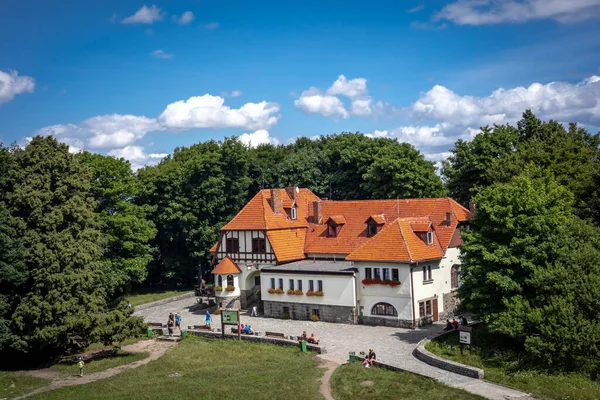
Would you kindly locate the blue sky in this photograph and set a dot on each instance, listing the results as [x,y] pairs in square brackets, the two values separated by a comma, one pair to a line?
[137,79]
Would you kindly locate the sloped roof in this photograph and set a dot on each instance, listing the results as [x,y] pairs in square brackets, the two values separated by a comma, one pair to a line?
[338,219]
[288,244]
[420,226]
[378,219]
[226,267]
[214,248]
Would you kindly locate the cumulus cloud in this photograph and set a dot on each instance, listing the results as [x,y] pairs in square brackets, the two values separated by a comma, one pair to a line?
[161,54]
[209,111]
[11,84]
[258,137]
[486,12]
[328,103]
[186,18]
[235,93]
[137,157]
[415,9]
[145,15]
[212,26]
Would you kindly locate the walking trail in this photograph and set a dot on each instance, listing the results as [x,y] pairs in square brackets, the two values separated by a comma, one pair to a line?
[156,349]
[330,364]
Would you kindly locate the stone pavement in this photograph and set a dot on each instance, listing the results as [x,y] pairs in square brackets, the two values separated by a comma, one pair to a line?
[393,346]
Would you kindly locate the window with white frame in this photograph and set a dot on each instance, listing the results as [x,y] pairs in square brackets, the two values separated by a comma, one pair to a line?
[429,237]
[376,273]
[395,274]
[311,285]
[299,284]
[291,284]
[272,283]
[320,286]
[368,273]
[293,213]
[281,283]
[385,309]
[427,276]
[386,273]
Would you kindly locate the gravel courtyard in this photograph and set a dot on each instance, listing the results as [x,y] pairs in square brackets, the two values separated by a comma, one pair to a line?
[393,346]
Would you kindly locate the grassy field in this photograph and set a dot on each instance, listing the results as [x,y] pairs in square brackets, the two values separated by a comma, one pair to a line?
[147,297]
[210,369]
[353,381]
[114,359]
[502,367]
[14,384]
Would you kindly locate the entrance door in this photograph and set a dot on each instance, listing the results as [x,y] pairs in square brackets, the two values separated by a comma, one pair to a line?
[435,310]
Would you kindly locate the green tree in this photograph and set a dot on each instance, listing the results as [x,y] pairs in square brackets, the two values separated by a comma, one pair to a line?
[531,270]
[124,224]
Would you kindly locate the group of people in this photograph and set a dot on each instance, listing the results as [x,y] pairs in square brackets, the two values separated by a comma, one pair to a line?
[173,322]
[312,339]
[454,324]
[369,359]
[247,329]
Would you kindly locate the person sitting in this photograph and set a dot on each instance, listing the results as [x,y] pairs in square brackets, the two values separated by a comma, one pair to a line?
[366,363]
[313,339]
[242,328]
[303,336]
[449,325]
[464,321]
[454,323]
[248,330]
[371,357]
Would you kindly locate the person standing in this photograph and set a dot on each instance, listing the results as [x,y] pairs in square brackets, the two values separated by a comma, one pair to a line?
[208,319]
[170,324]
[81,365]
[178,322]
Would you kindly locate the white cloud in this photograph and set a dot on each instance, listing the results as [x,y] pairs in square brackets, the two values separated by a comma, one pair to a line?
[212,26]
[161,54]
[186,18]
[415,9]
[145,15]
[11,84]
[258,137]
[328,103]
[484,12]
[236,93]
[137,157]
[209,111]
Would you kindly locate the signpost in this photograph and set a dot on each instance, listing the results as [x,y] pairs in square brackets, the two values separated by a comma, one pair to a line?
[464,335]
[230,317]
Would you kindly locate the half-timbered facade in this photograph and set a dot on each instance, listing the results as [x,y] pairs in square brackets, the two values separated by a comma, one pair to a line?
[392,262]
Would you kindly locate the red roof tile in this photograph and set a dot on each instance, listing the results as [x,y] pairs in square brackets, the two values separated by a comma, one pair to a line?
[288,244]
[338,219]
[378,219]
[214,248]
[226,267]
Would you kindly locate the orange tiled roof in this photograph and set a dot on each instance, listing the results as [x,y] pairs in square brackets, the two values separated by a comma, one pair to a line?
[378,219]
[288,244]
[338,219]
[226,267]
[214,248]
[288,203]
[420,226]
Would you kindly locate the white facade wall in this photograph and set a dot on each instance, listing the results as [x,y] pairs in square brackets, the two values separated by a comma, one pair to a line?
[245,241]
[339,289]
[236,284]
[399,296]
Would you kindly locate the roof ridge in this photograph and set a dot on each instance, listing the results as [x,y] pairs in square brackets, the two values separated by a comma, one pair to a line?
[264,211]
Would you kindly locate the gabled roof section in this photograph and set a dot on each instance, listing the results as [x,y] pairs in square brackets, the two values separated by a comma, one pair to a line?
[214,248]
[387,245]
[288,244]
[337,219]
[379,219]
[419,250]
[226,267]
[420,226]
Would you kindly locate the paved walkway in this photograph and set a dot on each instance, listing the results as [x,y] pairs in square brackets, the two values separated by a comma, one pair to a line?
[393,346]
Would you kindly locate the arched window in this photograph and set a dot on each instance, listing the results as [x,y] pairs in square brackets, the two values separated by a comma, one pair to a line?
[455,276]
[229,280]
[219,280]
[384,309]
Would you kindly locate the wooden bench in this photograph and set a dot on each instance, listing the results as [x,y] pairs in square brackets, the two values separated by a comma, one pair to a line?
[275,335]
[201,327]
[156,325]
[235,330]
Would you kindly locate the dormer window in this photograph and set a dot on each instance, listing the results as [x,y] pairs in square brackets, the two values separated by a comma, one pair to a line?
[429,237]
[334,225]
[374,224]
[293,213]
[371,230]
[331,229]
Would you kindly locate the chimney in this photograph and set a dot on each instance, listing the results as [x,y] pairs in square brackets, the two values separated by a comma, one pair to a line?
[472,207]
[317,215]
[291,191]
[448,218]
[276,202]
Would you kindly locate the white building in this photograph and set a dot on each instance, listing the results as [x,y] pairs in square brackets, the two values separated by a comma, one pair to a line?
[387,262]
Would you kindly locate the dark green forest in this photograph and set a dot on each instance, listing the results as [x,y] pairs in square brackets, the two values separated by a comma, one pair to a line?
[80,231]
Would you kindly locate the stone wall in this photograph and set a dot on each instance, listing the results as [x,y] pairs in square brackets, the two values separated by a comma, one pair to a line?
[450,303]
[228,302]
[398,323]
[301,311]
[164,301]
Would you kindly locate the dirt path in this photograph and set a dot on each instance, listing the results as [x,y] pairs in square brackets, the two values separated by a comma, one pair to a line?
[330,364]
[155,348]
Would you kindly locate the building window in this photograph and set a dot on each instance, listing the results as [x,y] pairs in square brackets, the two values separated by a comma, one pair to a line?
[311,285]
[281,283]
[425,309]
[315,311]
[293,212]
[395,275]
[372,230]
[291,284]
[299,284]
[429,237]
[386,273]
[320,285]
[377,273]
[219,280]
[257,280]
[259,246]
[427,274]
[384,309]
[232,245]
[368,273]
[331,230]
[229,280]
[454,277]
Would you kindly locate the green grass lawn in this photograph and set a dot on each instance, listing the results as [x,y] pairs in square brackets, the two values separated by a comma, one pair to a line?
[349,382]
[110,360]
[147,297]
[14,384]
[503,367]
[210,369]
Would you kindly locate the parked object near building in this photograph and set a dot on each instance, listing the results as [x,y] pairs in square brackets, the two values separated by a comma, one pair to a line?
[384,262]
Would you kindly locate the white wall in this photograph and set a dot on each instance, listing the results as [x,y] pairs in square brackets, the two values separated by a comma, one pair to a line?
[225,293]
[399,296]
[245,241]
[339,289]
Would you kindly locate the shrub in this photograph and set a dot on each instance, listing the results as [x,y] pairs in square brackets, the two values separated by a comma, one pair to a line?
[279,291]
[298,292]
[320,293]
[291,291]
[310,293]
[379,281]
[271,290]
[315,318]
[217,311]
[230,288]
[218,288]
[285,316]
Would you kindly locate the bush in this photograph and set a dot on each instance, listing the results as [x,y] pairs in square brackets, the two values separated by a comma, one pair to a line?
[285,316]
[217,311]
[291,291]
[320,293]
[310,293]
[271,290]
[230,288]
[218,288]
[278,291]
[298,292]
[315,318]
